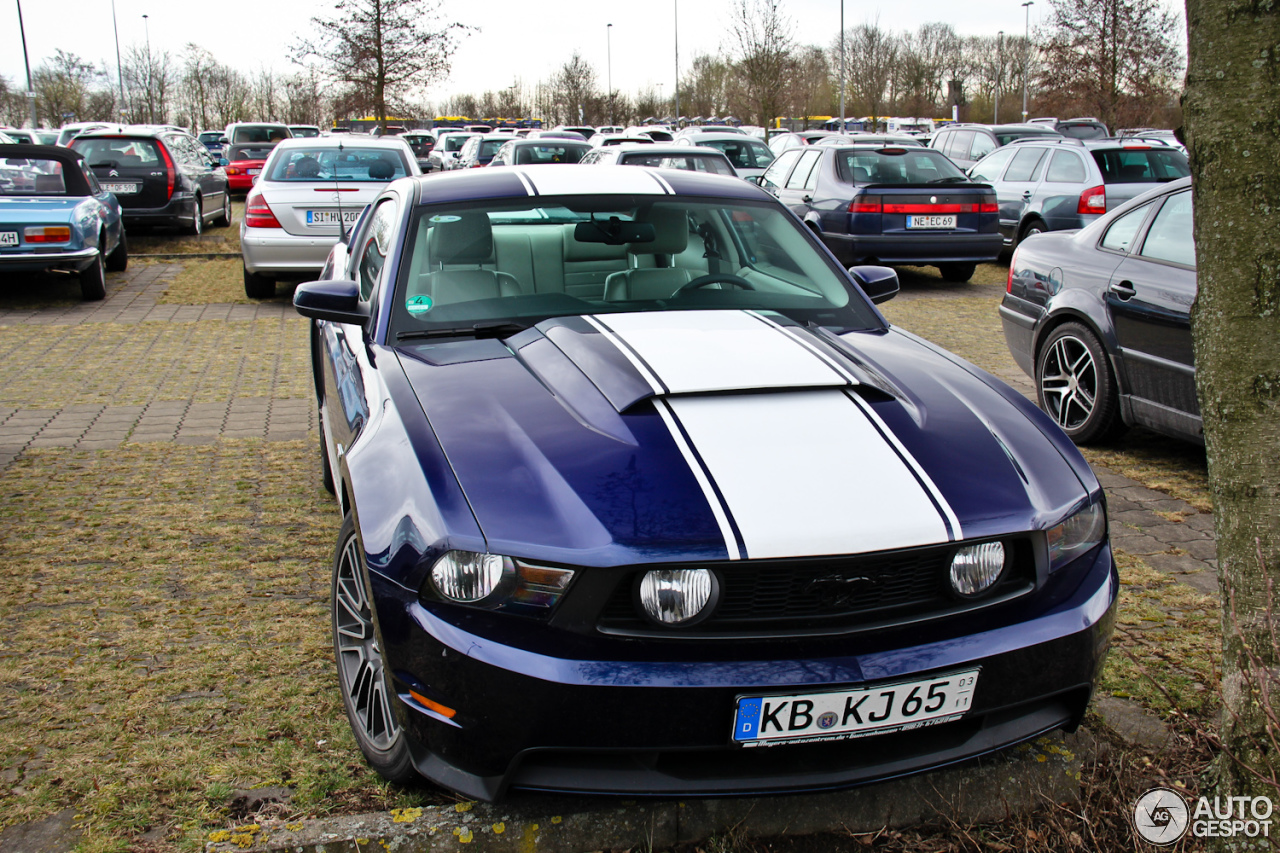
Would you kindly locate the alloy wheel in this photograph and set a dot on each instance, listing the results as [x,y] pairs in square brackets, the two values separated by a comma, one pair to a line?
[1069,382]
[360,664]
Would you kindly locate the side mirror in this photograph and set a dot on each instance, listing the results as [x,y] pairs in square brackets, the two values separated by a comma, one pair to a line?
[224,141]
[337,301]
[879,283]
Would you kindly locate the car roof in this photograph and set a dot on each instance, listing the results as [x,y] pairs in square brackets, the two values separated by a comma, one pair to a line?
[663,148]
[712,134]
[467,185]
[393,143]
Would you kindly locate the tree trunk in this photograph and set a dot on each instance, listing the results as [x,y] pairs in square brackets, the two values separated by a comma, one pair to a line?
[1232,114]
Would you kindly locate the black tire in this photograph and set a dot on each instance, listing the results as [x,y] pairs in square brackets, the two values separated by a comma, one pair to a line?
[1034,227]
[224,218]
[958,273]
[326,472]
[118,260]
[93,279]
[258,286]
[367,695]
[1075,385]
[197,220]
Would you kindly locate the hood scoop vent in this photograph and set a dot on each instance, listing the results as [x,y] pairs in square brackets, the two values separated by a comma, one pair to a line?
[635,356]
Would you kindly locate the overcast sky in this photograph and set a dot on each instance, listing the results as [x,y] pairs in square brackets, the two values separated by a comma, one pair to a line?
[517,40]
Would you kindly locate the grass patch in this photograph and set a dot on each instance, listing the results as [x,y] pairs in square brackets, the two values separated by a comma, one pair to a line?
[1175,632]
[150,241]
[1177,468]
[121,363]
[924,279]
[968,326]
[214,280]
[180,650]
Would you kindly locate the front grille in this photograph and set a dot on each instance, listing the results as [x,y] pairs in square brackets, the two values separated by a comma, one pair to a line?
[826,594]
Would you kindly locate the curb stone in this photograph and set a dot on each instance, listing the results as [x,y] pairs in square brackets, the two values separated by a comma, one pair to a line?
[1017,780]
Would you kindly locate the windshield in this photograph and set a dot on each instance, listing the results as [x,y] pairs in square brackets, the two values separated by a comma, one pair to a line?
[489,147]
[742,153]
[567,153]
[689,162]
[304,132]
[260,133]
[1141,165]
[1083,131]
[522,261]
[912,166]
[455,141]
[23,176]
[1004,137]
[350,163]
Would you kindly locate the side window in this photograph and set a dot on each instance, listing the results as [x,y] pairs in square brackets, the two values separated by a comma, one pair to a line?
[373,254]
[941,141]
[990,168]
[1121,233]
[960,144]
[776,174]
[1170,237]
[982,146]
[800,176]
[1065,168]
[1025,165]
[94,187]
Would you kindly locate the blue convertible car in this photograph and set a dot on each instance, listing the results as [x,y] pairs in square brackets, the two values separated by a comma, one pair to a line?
[55,216]
[642,495]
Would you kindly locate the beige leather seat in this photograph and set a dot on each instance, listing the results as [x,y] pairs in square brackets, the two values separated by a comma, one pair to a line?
[671,225]
[457,251]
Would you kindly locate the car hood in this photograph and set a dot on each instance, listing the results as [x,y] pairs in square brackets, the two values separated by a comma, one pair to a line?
[623,438]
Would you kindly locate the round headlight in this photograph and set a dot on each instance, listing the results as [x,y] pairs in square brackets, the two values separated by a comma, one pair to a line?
[976,567]
[676,596]
[466,576]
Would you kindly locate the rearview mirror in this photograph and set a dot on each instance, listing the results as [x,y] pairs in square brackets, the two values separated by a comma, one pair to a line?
[614,232]
[337,301]
[879,283]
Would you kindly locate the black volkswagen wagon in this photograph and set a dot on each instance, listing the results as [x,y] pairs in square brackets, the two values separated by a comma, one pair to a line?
[161,176]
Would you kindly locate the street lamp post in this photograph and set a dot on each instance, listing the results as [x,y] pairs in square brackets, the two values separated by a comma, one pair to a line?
[31,93]
[842,126]
[1026,57]
[677,89]
[999,73]
[119,65]
[608,46]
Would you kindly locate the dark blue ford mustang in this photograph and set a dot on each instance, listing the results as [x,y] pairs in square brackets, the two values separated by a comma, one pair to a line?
[642,495]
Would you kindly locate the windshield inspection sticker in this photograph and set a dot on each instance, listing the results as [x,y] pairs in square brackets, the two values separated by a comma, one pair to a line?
[418,304]
[445,218]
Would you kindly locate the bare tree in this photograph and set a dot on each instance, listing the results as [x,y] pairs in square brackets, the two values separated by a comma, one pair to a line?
[811,85]
[1235,323]
[574,96]
[386,48]
[265,88]
[760,44]
[70,89]
[871,57]
[705,85]
[1111,58]
[303,99]
[150,80]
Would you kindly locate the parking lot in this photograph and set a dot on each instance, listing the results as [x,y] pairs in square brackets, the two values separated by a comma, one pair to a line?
[167,650]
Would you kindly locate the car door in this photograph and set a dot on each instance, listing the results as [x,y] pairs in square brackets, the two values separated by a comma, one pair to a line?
[345,359]
[775,177]
[797,191]
[204,174]
[1015,192]
[1149,299]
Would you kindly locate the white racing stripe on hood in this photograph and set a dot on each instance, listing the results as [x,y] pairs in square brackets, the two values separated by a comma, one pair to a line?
[805,473]
[694,352]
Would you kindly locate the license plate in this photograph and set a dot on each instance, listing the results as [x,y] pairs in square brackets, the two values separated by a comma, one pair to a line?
[931,222]
[330,217]
[8,238]
[121,189]
[255,171]
[848,714]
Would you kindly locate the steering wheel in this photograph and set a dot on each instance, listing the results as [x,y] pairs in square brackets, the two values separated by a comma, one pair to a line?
[712,278]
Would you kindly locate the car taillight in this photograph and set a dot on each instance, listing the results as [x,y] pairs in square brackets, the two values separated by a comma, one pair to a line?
[866,204]
[988,205]
[257,213]
[476,165]
[232,170]
[1013,262]
[171,172]
[47,234]
[1093,200]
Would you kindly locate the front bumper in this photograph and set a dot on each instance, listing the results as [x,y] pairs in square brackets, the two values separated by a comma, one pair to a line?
[934,248]
[637,726]
[275,252]
[72,260]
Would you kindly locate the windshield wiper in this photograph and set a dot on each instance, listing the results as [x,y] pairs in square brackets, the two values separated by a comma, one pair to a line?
[955,179]
[499,329]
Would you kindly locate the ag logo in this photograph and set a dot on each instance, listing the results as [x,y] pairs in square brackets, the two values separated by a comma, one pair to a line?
[1160,816]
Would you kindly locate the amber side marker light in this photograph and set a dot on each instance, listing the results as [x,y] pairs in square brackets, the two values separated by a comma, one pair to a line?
[434,706]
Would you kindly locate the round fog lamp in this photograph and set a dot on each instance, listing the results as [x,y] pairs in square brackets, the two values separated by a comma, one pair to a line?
[466,576]
[976,567]
[676,596]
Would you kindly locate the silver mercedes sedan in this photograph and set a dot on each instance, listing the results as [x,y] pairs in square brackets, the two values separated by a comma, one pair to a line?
[310,193]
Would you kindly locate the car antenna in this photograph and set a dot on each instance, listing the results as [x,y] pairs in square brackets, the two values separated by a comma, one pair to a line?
[337,191]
